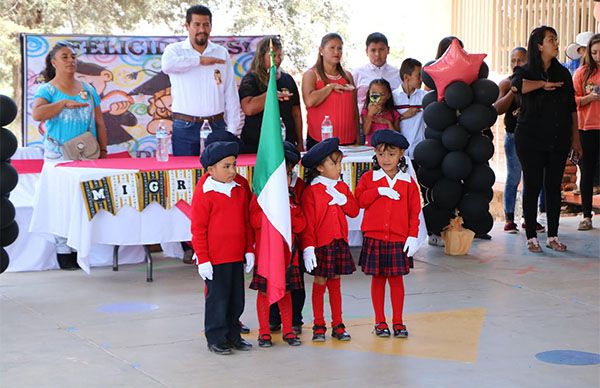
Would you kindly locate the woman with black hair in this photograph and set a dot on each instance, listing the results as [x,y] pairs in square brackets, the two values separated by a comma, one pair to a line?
[546,131]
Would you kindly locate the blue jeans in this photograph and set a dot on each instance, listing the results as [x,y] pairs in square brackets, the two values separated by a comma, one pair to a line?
[186,136]
[513,174]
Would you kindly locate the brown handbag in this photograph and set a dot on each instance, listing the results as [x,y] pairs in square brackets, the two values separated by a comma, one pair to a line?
[84,146]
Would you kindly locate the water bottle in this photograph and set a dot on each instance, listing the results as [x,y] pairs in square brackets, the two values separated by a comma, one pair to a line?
[205,130]
[162,143]
[326,129]
[283,130]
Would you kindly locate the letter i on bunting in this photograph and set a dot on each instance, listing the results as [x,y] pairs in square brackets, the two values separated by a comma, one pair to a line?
[152,188]
[125,191]
[98,195]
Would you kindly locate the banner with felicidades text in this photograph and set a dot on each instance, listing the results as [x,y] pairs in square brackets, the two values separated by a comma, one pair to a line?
[126,73]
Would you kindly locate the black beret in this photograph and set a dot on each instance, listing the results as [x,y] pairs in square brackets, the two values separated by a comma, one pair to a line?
[389,136]
[218,150]
[320,151]
[222,135]
[292,155]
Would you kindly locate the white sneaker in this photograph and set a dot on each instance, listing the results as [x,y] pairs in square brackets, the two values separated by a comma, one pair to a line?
[542,220]
[436,240]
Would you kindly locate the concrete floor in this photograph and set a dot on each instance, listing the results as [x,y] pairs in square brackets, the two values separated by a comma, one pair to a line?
[475,321]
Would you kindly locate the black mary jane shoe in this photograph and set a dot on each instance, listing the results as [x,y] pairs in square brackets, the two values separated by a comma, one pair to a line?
[221,349]
[339,332]
[275,327]
[319,333]
[264,341]
[292,339]
[241,345]
[244,329]
[382,330]
[400,331]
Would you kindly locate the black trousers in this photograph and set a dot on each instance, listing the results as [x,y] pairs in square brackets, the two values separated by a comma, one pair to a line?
[541,168]
[224,304]
[590,141]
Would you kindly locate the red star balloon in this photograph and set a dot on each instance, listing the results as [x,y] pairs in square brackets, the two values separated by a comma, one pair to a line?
[455,65]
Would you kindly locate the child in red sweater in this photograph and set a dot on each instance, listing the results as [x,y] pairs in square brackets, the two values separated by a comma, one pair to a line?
[390,226]
[293,276]
[326,202]
[222,237]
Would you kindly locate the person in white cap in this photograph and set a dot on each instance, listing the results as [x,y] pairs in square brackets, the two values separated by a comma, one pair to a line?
[576,50]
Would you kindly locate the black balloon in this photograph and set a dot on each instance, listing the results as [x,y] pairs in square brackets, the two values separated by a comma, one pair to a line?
[455,138]
[433,134]
[480,225]
[8,110]
[8,177]
[3,260]
[480,148]
[481,179]
[8,212]
[428,98]
[473,205]
[488,194]
[428,196]
[436,219]
[485,91]
[9,234]
[458,95]
[439,116]
[429,153]
[8,144]
[484,71]
[476,117]
[456,165]
[446,193]
[428,176]
[426,78]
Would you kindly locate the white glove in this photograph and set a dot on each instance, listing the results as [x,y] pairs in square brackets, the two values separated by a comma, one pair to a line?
[249,261]
[411,246]
[205,270]
[389,192]
[310,260]
[337,197]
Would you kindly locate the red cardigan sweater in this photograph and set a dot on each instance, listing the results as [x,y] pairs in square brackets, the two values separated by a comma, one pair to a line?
[221,231]
[324,222]
[384,218]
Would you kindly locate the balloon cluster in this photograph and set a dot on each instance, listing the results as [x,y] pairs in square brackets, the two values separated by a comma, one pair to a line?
[9,230]
[454,156]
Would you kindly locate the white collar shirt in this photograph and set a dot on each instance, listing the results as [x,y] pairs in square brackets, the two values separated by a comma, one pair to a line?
[327,182]
[412,128]
[224,188]
[367,73]
[200,90]
[400,176]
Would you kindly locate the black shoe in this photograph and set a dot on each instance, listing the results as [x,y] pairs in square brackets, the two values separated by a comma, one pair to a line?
[244,329]
[292,339]
[264,341]
[297,329]
[319,333]
[382,330]
[221,349]
[483,236]
[66,262]
[241,345]
[400,331]
[339,332]
[275,327]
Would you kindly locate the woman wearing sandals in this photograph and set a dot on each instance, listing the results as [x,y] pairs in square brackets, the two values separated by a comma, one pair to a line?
[546,131]
[69,108]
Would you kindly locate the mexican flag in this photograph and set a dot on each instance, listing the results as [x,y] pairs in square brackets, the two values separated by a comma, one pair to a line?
[269,183]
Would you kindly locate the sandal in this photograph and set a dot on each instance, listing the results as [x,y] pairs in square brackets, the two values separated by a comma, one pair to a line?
[400,331]
[533,245]
[292,339]
[339,332]
[264,341]
[553,243]
[382,330]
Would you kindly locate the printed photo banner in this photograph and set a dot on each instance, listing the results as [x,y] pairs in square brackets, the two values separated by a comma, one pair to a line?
[126,73]
[140,189]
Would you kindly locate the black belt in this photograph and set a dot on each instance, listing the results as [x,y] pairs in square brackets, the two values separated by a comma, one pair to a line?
[196,119]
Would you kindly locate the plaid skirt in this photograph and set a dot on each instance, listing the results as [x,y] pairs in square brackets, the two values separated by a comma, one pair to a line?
[334,259]
[293,280]
[384,258]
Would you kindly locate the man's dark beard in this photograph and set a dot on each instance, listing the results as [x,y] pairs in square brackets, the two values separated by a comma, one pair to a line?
[201,41]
